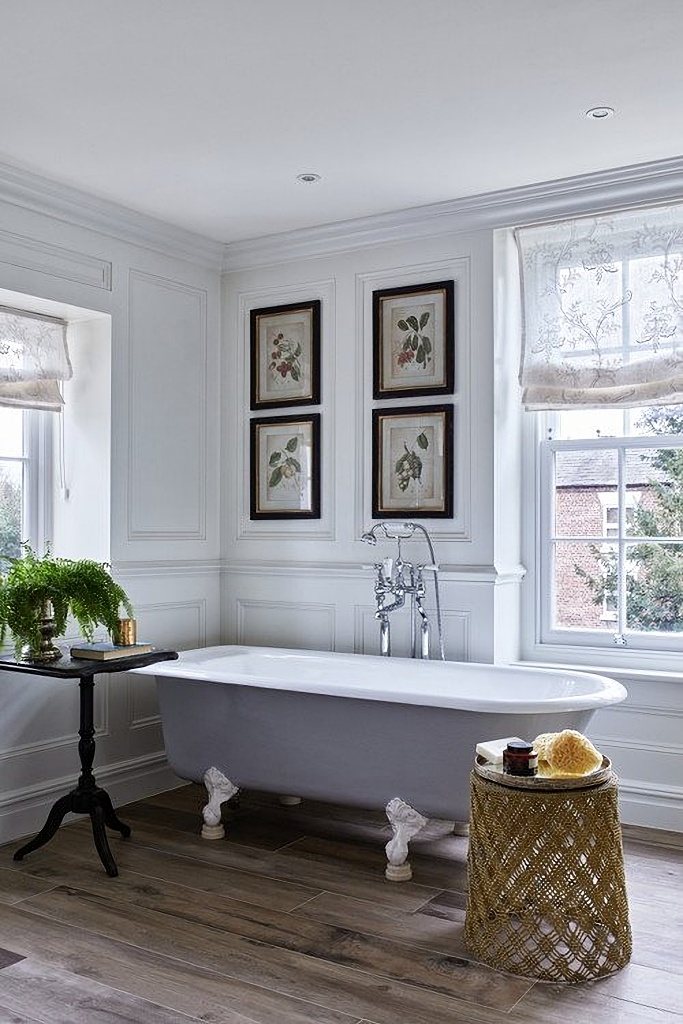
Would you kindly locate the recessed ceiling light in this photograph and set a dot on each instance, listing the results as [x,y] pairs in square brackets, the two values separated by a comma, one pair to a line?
[308,177]
[600,113]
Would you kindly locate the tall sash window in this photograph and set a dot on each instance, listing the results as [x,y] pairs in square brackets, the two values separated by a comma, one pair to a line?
[602,364]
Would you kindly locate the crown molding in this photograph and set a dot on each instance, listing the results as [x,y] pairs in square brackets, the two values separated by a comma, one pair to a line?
[634,185]
[620,187]
[41,195]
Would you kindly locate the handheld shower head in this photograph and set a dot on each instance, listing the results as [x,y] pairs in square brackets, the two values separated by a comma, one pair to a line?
[369,537]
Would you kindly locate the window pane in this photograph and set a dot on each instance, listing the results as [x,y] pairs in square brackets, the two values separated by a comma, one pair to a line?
[582,574]
[585,485]
[11,432]
[657,475]
[11,516]
[664,419]
[654,587]
[589,423]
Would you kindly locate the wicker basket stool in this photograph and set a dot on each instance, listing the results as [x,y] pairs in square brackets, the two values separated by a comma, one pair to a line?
[546,890]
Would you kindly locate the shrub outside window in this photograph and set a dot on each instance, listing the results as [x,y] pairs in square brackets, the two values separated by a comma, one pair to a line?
[611,543]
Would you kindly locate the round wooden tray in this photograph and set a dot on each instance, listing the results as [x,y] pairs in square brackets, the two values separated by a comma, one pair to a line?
[494,773]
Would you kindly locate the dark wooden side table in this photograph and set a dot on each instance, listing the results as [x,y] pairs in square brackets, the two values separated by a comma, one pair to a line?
[87,797]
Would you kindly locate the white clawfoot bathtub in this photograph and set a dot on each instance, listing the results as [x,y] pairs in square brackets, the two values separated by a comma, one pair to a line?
[391,733]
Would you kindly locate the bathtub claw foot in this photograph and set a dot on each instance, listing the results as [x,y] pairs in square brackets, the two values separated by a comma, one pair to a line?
[213,831]
[405,822]
[219,789]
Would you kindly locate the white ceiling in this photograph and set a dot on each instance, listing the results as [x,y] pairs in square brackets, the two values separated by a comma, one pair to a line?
[202,112]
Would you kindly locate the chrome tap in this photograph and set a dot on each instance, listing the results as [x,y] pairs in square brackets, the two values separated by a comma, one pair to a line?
[397,579]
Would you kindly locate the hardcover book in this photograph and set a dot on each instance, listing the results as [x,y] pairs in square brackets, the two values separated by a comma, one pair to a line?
[106,651]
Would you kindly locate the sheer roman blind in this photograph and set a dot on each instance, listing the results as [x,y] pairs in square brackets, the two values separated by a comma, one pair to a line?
[602,302]
[33,359]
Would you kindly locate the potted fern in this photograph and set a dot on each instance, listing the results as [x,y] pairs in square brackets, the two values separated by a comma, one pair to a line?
[37,595]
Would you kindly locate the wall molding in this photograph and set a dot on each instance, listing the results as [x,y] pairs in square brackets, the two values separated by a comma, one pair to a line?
[163,568]
[653,807]
[633,185]
[354,570]
[675,749]
[62,202]
[54,260]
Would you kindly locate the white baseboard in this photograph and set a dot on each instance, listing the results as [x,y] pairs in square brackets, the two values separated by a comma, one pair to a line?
[23,812]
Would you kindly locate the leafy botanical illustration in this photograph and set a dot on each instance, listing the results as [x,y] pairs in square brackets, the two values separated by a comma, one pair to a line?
[283,464]
[409,465]
[284,358]
[415,346]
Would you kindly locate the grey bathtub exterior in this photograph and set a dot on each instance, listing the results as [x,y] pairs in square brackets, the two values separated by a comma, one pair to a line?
[357,729]
[340,749]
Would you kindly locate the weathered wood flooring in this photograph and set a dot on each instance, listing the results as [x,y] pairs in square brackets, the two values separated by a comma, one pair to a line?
[290,921]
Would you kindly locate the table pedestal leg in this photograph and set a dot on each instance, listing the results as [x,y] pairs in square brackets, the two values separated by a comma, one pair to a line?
[87,797]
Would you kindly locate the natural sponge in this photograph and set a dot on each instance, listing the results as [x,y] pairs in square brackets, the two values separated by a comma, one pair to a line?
[541,745]
[566,753]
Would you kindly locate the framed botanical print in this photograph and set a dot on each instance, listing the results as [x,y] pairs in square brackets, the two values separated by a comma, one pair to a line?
[285,467]
[413,340]
[285,355]
[412,462]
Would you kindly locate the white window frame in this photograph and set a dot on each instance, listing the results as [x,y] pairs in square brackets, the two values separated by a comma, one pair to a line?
[37,477]
[561,639]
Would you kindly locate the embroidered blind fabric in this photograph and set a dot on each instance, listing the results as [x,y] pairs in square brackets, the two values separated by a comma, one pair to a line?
[33,359]
[602,302]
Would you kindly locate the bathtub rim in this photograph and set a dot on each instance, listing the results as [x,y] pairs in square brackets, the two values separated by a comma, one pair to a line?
[196,665]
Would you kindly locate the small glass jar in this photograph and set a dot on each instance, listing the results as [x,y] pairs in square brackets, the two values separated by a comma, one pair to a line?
[520,759]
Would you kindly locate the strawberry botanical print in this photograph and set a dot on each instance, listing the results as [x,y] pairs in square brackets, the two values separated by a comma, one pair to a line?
[413,340]
[415,345]
[285,355]
[285,358]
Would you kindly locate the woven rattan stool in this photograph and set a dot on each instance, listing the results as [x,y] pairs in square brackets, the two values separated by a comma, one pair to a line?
[546,890]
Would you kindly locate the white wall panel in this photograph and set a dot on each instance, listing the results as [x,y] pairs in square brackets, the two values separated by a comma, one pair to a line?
[266,623]
[167,496]
[26,253]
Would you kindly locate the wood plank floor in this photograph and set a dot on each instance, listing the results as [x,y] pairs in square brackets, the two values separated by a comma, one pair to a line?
[290,921]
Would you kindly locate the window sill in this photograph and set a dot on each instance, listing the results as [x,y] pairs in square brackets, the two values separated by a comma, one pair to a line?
[623,664]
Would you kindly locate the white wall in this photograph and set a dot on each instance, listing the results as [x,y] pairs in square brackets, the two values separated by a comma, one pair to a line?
[301,584]
[322,559]
[152,500]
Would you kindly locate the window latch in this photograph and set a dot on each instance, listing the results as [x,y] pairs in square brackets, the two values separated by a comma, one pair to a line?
[620,640]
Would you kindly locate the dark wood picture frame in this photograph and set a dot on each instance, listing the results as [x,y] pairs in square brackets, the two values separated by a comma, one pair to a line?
[413,340]
[284,344]
[412,462]
[285,467]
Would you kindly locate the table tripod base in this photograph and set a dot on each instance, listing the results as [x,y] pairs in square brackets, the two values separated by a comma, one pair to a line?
[93,801]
